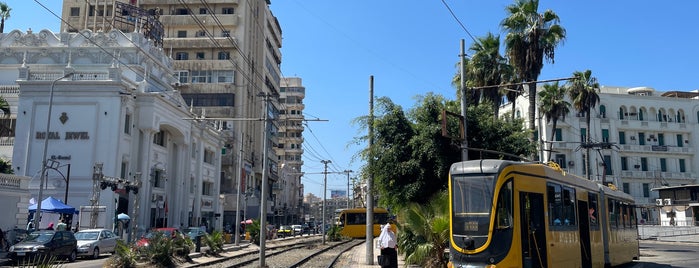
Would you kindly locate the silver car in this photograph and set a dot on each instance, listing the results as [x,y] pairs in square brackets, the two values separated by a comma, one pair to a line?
[93,242]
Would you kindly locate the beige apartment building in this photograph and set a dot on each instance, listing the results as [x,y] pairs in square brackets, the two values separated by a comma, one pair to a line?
[226,56]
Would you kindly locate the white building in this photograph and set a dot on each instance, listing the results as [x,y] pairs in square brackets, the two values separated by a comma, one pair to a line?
[117,110]
[649,136]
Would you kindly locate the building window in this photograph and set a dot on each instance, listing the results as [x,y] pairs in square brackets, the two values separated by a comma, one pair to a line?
[663,164]
[202,11]
[644,164]
[626,187]
[200,55]
[157,178]
[203,76]
[200,34]
[646,190]
[605,135]
[210,99]
[624,163]
[74,11]
[583,135]
[559,134]
[127,124]
[227,10]
[226,33]
[182,76]
[182,11]
[181,34]
[224,55]
[622,137]
[641,138]
[608,165]
[208,156]
[206,188]
[159,138]
[124,170]
[680,142]
[683,167]
[181,56]
[224,76]
[560,159]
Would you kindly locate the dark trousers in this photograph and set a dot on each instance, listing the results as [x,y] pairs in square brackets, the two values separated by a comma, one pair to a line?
[392,255]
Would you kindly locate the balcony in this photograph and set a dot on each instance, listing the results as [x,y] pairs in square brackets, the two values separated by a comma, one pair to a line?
[205,19]
[146,3]
[197,42]
[657,149]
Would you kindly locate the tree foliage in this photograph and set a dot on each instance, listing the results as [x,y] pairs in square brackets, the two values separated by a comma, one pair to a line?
[410,159]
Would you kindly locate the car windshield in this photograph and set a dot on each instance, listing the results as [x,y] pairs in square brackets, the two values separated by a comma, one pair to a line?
[40,237]
[86,235]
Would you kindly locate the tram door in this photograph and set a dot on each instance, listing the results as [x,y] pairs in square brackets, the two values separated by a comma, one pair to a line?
[584,232]
[533,231]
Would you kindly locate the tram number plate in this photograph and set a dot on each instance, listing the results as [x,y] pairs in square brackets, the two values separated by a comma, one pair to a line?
[471,226]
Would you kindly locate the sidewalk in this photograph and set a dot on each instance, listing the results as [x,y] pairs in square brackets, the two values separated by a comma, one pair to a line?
[356,258]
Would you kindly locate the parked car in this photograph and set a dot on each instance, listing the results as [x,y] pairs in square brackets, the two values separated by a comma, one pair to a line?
[297,228]
[284,231]
[93,242]
[194,232]
[170,232]
[45,244]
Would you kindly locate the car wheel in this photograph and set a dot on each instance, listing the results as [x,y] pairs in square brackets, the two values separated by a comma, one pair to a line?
[96,253]
[73,256]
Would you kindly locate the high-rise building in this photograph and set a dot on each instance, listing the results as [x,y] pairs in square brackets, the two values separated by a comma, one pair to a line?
[227,61]
[288,189]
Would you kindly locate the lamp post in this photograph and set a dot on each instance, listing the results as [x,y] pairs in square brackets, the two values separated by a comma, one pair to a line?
[37,214]
[55,165]
[348,187]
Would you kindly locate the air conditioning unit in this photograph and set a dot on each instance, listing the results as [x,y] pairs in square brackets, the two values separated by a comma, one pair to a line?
[637,166]
[658,202]
[667,202]
[571,163]
[633,138]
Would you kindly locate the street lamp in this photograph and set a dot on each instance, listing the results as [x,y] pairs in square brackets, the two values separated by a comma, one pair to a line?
[53,164]
[325,186]
[37,214]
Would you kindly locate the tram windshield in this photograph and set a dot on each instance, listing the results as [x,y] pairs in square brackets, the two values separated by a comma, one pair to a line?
[472,204]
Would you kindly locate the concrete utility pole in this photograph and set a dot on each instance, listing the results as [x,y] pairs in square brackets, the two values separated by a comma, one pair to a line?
[464,102]
[263,195]
[325,186]
[348,186]
[370,181]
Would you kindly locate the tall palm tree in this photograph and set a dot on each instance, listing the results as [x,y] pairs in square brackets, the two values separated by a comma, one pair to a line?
[582,90]
[4,14]
[552,105]
[487,68]
[424,232]
[531,38]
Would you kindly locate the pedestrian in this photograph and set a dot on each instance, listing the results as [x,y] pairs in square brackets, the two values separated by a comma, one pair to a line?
[61,226]
[50,226]
[2,240]
[388,246]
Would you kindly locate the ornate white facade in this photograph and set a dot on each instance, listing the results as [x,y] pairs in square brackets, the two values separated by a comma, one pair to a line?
[117,109]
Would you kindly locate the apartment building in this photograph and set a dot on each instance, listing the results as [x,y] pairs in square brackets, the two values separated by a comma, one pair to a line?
[226,57]
[643,140]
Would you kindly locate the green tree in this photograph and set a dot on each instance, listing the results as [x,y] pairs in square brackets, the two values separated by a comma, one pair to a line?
[582,90]
[552,105]
[487,68]
[4,15]
[423,233]
[412,158]
[531,38]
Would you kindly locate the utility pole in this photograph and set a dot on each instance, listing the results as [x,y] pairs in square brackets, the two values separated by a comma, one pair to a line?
[348,186]
[239,181]
[464,102]
[263,195]
[325,185]
[370,181]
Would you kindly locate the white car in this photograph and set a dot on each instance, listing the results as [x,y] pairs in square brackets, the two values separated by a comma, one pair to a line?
[93,242]
[298,229]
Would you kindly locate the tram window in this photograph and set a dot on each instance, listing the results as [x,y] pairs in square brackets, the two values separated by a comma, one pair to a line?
[555,203]
[568,206]
[504,207]
[613,213]
[592,210]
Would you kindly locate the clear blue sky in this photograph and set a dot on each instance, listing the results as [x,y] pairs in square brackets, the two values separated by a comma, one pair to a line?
[411,47]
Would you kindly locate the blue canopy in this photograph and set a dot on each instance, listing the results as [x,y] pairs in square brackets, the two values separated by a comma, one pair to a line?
[53,205]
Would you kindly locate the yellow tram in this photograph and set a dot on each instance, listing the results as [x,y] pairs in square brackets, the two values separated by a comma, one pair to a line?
[353,221]
[516,214]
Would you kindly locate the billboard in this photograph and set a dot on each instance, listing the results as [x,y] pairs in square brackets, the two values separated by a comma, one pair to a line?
[338,193]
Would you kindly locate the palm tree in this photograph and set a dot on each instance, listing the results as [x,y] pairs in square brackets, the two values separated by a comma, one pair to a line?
[552,105]
[583,90]
[4,14]
[424,232]
[487,68]
[531,38]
